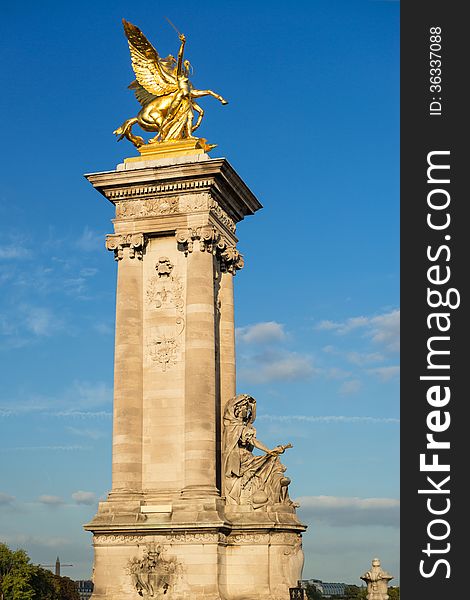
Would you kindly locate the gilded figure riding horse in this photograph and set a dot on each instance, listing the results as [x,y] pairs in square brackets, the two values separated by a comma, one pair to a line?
[163,89]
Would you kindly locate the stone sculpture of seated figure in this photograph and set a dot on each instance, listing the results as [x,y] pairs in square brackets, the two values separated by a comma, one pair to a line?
[248,479]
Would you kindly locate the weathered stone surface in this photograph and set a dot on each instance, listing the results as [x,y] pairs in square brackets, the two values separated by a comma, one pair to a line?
[167,528]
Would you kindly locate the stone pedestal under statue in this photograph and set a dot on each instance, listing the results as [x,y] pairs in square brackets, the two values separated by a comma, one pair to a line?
[195,512]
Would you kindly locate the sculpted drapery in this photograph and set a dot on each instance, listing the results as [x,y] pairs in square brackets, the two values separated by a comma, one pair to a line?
[249,479]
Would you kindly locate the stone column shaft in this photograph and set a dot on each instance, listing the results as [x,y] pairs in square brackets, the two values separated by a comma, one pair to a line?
[127,424]
[227,340]
[200,384]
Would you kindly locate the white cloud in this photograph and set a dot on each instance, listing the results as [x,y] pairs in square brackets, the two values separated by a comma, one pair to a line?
[383,330]
[385,373]
[277,366]
[350,387]
[261,333]
[51,500]
[6,499]
[82,497]
[346,511]
[345,327]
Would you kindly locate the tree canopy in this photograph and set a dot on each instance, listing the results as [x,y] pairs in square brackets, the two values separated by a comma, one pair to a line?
[21,580]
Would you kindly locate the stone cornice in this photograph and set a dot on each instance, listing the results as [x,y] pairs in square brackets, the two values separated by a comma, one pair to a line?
[214,175]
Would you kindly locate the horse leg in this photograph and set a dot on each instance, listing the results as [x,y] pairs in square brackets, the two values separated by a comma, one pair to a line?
[151,119]
[199,110]
[122,131]
[126,131]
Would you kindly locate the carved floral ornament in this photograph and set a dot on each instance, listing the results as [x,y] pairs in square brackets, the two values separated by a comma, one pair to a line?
[210,240]
[164,266]
[130,206]
[165,292]
[170,538]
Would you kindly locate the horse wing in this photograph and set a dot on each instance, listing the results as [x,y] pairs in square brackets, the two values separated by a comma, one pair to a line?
[141,93]
[154,74]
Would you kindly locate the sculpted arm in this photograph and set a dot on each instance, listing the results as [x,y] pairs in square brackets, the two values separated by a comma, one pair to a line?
[257,444]
[180,55]
[275,451]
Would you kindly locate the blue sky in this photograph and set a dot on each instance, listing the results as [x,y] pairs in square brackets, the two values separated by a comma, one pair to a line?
[312,126]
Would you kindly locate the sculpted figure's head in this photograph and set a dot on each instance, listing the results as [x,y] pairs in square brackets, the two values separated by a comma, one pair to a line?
[240,407]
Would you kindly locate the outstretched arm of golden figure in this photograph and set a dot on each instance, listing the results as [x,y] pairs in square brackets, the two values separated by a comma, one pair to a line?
[201,93]
[180,55]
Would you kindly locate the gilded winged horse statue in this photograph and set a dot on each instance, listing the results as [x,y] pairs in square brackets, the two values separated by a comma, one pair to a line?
[163,89]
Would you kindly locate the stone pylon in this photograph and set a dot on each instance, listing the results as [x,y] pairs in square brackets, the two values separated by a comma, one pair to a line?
[166,528]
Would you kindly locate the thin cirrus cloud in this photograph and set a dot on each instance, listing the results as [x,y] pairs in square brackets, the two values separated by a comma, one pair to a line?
[52,501]
[351,511]
[14,253]
[23,324]
[364,358]
[261,333]
[88,399]
[41,321]
[89,240]
[385,373]
[69,448]
[24,540]
[93,434]
[327,419]
[383,330]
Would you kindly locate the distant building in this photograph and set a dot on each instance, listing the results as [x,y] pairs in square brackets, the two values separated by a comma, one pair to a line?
[328,590]
[333,589]
[85,588]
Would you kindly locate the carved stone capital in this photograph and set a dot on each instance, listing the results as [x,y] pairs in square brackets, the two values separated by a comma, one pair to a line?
[134,241]
[206,236]
[231,260]
[210,240]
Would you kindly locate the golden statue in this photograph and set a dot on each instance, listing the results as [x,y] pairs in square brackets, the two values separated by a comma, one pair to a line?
[163,89]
